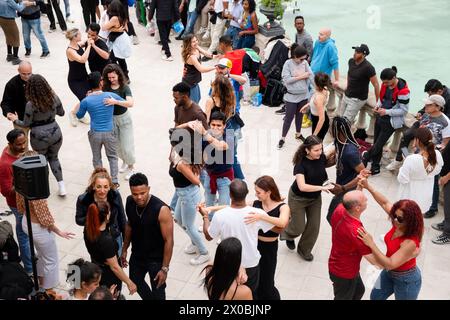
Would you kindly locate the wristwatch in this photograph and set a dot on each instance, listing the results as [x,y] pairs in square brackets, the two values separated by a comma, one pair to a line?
[165,269]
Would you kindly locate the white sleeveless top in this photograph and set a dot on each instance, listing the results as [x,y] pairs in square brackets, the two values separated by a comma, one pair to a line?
[312,105]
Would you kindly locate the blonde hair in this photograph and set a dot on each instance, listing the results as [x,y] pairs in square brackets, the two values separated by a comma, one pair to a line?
[72,33]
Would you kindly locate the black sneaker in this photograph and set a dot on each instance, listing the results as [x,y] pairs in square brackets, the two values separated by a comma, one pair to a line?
[9,57]
[27,52]
[45,54]
[441,239]
[16,60]
[290,244]
[281,111]
[179,37]
[306,257]
[375,170]
[438,226]
[280,144]
[430,214]
[300,137]
[160,43]
[365,158]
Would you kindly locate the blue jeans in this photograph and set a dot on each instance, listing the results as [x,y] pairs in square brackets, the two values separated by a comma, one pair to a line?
[185,211]
[404,285]
[24,242]
[435,201]
[192,19]
[119,241]
[246,42]
[138,270]
[238,174]
[67,7]
[233,32]
[223,189]
[195,94]
[35,25]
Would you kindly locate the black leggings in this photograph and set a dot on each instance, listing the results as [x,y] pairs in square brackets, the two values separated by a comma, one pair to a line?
[89,15]
[293,110]
[267,267]
[323,131]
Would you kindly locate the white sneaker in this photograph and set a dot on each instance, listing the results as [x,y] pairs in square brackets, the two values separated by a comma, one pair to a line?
[394,165]
[73,119]
[190,249]
[200,259]
[85,120]
[130,173]
[61,189]
[123,168]
[166,58]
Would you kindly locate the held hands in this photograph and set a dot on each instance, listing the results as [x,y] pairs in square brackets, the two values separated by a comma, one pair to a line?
[338,189]
[12,116]
[380,111]
[201,207]
[365,237]
[327,187]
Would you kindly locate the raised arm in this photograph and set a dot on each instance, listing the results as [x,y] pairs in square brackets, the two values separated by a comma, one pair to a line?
[379,197]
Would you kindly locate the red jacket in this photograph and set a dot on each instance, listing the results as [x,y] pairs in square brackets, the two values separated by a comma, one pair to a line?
[401,90]
[6,178]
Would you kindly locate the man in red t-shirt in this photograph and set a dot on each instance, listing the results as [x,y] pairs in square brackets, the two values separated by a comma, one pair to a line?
[17,145]
[347,250]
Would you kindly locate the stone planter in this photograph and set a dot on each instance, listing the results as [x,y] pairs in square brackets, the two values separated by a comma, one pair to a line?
[270,28]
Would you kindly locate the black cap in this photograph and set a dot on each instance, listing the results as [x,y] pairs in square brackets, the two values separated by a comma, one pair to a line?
[363,48]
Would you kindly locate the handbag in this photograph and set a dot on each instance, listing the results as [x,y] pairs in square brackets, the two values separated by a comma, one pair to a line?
[238,120]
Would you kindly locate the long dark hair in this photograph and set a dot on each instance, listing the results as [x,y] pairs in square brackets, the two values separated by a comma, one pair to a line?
[222,89]
[341,125]
[110,68]
[186,52]
[267,183]
[221,275]
[39,93]
[116,9]
[310,142]
[425,138]
[412,215]
[89,272]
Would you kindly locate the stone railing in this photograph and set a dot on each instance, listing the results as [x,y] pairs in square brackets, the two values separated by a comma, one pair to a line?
[367,111]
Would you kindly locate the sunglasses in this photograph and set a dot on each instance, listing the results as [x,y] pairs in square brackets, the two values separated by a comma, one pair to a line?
[399,219]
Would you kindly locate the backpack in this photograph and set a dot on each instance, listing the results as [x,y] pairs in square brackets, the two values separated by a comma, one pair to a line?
[5,232]
[14,281]
[274,93]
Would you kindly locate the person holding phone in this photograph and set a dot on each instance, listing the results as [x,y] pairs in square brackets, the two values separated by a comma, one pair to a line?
[305,200]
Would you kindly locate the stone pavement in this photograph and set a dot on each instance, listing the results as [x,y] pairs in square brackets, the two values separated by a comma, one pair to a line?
[151,83]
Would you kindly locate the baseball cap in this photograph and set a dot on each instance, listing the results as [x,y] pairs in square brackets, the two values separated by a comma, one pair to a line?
[435,99]
[363,48]
[225,63]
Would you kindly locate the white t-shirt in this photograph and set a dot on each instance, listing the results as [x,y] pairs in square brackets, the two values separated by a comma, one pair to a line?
[192,6]
[229,222]
[236,11]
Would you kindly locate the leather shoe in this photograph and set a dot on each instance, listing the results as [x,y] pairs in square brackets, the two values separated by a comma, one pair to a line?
[290,244]
[307,257]
[429,214]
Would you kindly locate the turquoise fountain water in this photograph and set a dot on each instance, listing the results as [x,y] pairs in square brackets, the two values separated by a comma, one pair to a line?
[413,35]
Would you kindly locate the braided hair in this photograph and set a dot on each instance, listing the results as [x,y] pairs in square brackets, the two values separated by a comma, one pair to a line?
[341,125]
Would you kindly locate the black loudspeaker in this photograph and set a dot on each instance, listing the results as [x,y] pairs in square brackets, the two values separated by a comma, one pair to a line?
[31,177]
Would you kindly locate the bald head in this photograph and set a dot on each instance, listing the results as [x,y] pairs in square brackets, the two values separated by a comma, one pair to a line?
[355,202]
[238,190]
[25,70]
[324,34]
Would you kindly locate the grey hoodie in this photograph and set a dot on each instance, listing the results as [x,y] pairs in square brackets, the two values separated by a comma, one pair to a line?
[297,90]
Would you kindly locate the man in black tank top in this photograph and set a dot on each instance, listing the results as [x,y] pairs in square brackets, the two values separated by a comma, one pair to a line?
[150,231]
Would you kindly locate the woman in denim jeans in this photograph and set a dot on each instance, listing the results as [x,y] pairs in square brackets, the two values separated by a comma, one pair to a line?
[400,276]
[185,175]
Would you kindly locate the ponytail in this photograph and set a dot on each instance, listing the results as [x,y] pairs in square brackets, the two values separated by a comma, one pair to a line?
[425,138]
[96,216]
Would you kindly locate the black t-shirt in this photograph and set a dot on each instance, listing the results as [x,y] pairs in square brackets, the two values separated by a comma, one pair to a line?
[105,247]
[122,92]
[147,242]
[358,79]
[275,212]
[218,161]
[315,174]
[97,63]
[349,160]
[446,158]
[179,180]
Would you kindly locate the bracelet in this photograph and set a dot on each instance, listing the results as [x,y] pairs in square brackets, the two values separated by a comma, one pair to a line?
[165,269]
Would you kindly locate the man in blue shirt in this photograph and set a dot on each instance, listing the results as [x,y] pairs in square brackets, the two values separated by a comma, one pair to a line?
[325,59]
[100,106]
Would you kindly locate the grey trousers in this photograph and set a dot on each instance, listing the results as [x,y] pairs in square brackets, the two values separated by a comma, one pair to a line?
[305,221]
[109,140]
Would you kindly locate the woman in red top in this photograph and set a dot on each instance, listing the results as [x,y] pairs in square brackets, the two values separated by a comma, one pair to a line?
[400,276]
